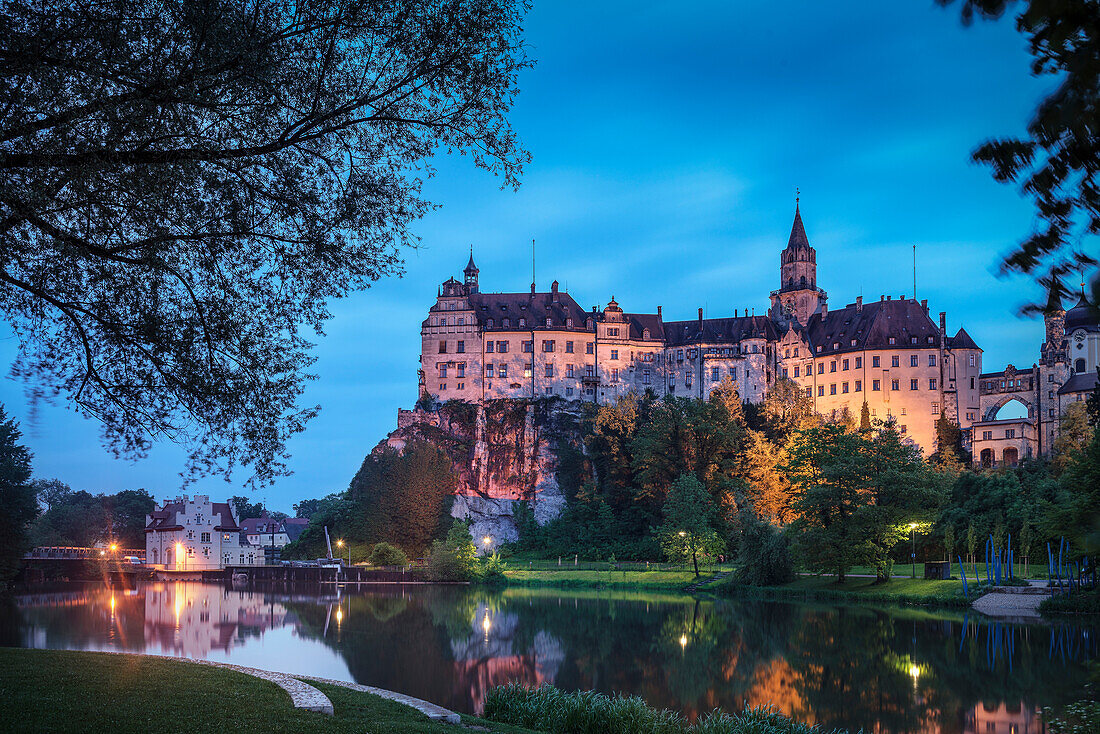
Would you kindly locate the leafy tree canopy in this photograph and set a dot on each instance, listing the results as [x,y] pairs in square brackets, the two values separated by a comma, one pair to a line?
[17,497]
[187,185]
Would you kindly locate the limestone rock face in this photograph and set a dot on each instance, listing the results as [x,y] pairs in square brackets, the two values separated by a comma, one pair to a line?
[502,451]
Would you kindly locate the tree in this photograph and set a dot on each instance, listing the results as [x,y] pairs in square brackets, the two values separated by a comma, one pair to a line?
[949,455]
[50,492]
[828,473]
[971,541]
[1027,539]
[244,508]
[949,542]
[767,486]
[1074,434]
[455,558]
[18,505]
[865,417]
[786,409]
[1092,404]
[764,558]
[686,531]
[126,513]
[187,185]
[384,554]
[1056,165]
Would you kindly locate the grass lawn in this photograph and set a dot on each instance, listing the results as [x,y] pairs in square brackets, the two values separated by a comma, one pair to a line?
[859,590]
[606,579]
[55,690]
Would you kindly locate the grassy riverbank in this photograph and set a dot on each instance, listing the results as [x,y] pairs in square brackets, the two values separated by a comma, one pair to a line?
[855,590]
[53,690]
[626,579]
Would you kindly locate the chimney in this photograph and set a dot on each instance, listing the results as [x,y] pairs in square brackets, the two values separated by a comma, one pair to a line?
[532,289]
[700,318]
[554,291]
[824,310]
[658,313]
[859,304]
[924,304]
[882,298]
[888,298]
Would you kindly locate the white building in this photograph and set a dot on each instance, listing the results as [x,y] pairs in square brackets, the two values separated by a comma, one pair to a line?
[195,535]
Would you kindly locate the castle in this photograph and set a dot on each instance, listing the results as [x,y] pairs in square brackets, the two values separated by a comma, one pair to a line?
[889,353]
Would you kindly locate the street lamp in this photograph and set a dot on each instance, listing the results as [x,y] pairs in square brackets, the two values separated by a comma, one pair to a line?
[340,544]
[487,541]
[913,547]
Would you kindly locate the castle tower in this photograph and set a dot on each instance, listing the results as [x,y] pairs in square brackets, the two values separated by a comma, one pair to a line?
[1054,319]
[798,296]
[471,272]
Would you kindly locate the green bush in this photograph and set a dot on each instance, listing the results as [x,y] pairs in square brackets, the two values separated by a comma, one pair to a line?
[587,712]
[492,570]
[1075,602]
[453,559]
[765,555]
[384,554]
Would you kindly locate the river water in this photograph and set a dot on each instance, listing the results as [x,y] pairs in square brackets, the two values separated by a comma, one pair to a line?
[886,671]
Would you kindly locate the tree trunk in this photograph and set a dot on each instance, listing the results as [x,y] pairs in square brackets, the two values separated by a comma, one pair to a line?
[840,575]
[695,561]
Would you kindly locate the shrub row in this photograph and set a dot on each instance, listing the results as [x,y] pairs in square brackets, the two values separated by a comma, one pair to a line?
[587,712]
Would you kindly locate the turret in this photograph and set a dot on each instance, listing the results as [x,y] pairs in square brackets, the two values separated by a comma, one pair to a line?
[471,272]
[798,296]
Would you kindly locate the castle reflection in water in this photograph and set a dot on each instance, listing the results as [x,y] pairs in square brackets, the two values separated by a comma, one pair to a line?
[853,668]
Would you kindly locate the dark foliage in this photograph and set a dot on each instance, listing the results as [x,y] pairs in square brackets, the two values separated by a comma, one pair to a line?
[18,505]
[1056,164]
[187,185]
[83,519]
[764,557]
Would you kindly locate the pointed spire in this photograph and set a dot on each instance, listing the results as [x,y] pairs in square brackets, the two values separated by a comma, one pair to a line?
[798,232]
[470,267]
[1054,302]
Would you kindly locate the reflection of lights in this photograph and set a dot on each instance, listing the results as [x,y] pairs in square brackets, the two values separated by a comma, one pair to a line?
[486,624]
[103,553]
[683,641]
[112,602]
[179,554]
[339,615]
[914,671]
[114,547]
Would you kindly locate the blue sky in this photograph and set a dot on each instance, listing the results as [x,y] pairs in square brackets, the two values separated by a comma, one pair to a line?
[668,140]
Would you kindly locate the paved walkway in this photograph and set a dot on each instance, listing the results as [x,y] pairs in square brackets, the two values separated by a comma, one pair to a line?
[302,695]
[433,712]
[1013,602]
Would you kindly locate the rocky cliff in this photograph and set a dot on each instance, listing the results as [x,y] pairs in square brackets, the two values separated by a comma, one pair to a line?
[503,451]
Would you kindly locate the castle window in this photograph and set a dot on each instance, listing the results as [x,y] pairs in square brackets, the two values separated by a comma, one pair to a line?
[932,384]
[892,340]
[645,333]
[443,371]
[1010,433]
[859,363]
[821,391]
[787,353]
[912,340]
[569,325]
[832,366]
[461,386]
[796,371]
[832,389]
[895,385]
[820,368]
[548,345]
[489,346]
[935,408]
[569,370]
[859,385]
[443,321]
[589,348]
[844,387]
[528,371]
[819,349]
[714,374]
[930,339]
[442,347]
[645,376]
[796,351]
[613,331]
[733,373]
[914,384]
[502,347]
[614,374]
[523,322]
[569,347]
[844,365]
[875,361]
[931,360]
[502,371]
[450,307]
[1079,366]
[1051,412]
[895,361]
[785,372]
[547,320]
[549,370]
[568,392]
[489,323]
[506,323]
[528,346]
[461,348]
[853,342]
[1050,394]
[461,369]
[972,362]
[461,321]
[809,392]
[836,345]
[489,371]
[912,360]
[588,370]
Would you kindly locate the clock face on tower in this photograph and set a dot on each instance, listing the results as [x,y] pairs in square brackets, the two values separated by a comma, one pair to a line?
[1079,337]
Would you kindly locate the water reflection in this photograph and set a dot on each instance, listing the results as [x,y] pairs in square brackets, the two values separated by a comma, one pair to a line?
[882,671]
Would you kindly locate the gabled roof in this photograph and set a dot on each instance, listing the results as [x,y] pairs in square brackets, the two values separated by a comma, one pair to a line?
[166,518]
[728,330]
[961,340]
[254,525]
[871,327]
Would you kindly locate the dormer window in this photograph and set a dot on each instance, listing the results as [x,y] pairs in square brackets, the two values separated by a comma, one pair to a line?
[523,322]
[836,345]
[912,340]
[645,333]
[892,340]
[548,321]
[489,323]
[569,323]
[819,349]
[506,323]
[853,342]
[930,339]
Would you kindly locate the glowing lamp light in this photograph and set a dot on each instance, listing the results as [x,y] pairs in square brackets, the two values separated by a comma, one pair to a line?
[340,543]
[114,547]
[103,553]
[683,641]
[914,672]
[683,534]
[912,526]
[486,540]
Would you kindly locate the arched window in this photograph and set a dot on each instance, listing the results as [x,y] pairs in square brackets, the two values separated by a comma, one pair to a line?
[1011,456]
[987,458]
[645,333]
[1079,366]
[802,282]
[168,557]
[155,558]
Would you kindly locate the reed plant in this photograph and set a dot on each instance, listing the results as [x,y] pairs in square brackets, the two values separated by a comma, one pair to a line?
[549,709]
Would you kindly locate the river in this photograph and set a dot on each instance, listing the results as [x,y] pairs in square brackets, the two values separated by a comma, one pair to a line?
[897,670]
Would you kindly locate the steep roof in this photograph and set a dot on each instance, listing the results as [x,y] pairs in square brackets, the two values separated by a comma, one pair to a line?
[961,340]
[534,307]
[639,322]
[166,517]
[294,527]
[798,232]
[872,326]
[254,525]
[729,330]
